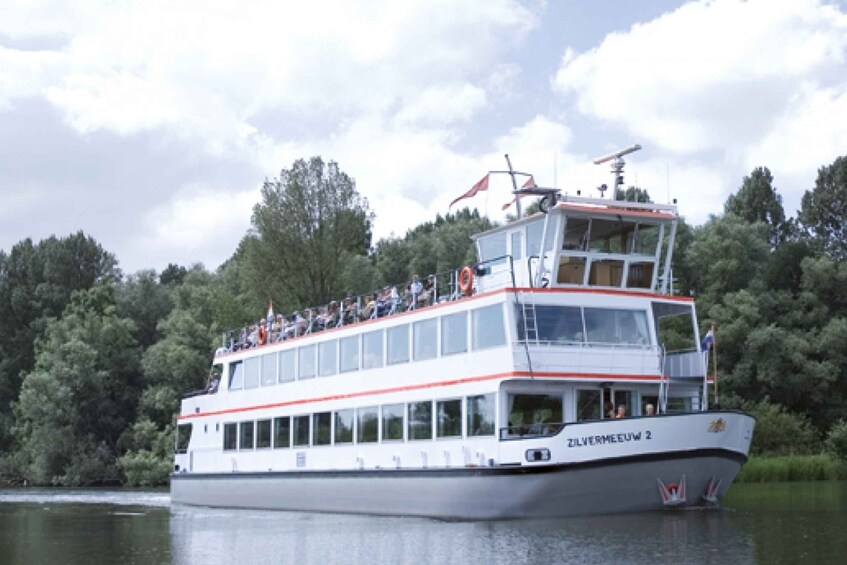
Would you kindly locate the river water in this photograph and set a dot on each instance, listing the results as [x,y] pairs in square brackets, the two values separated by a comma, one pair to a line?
[760,523]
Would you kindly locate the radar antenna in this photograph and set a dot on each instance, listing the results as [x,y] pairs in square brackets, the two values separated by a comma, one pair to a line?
[617,167]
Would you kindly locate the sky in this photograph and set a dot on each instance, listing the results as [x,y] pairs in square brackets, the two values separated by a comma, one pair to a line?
[151,125]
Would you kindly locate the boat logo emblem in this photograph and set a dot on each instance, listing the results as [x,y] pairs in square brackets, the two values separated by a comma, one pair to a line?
[717,426]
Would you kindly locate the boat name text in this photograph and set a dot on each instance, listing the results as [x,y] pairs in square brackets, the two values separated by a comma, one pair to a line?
[608,438]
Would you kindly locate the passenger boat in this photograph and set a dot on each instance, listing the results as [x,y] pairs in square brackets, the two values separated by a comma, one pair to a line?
[521,387]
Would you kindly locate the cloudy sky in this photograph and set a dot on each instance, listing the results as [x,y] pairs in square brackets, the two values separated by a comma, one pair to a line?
[150,125]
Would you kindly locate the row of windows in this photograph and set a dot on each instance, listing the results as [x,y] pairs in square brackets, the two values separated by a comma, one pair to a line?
[390,422]
[575,325]
[417,341]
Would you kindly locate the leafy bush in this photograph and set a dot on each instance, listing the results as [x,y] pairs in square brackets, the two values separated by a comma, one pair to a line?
[819,467]
[145,469]
[836,441]
[781,433]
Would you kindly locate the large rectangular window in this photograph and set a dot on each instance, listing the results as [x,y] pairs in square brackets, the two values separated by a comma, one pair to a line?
[246,435]
[425,335]
[269,369]
[344,426]
[367,425]
[230,437]
[327,358]
[616,326]
[481,415]
[301,432]
[531,412]
[454,333]
[588,404]
[449,422]
[323,428]
[263,434]
[488,327]
[236,375]
[287,365]
[349,353]
[398,344]
[282,432]
[493,247]
[306,362]
[392,422]
[372,350]
[252,368]
[555,324]
[420,420]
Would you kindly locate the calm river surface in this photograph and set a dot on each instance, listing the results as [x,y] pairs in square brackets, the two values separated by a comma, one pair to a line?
[770,523]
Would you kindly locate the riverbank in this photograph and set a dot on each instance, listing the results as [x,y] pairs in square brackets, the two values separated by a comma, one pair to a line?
[788,468]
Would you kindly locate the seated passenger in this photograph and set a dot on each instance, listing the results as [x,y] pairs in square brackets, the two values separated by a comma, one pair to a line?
[621,412]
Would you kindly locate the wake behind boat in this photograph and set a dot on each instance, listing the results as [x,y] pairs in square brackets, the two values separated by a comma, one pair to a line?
[556,376]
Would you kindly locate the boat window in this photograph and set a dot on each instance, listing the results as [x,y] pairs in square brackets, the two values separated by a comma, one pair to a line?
[533,236]
[183,437]
[230,437]
[555,324]
[640,274]
[588,404]
[605,325]
[610,235]
[252,367]
[344,426]
[420,420]
[269,364]
[392,422]
[327,357]
[606,272]
[282,432]
[481,415]
[516,250]
[530,412]
[645,240]
[425,337]
[372,350]
[367,425]
[678,404]
[626,399]
[306,362]
[449,422]
[349,353]
[300,429]
[263,434]
[246,435]
[236,375]
[571,270]
[576,234]
[287,368]
[488,327]
[323,428]
[454,333]
[398,344]
[493,246]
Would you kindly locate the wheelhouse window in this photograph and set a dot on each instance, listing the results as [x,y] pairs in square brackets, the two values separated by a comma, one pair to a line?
[230,437]
[282,432]
[481,415]
[556,324]
[269,364]
[392,422]
[327,358]
[246,435]
[372,350]
[306,362]
[344,426]
[367,425]
[287,365]
[323,428]
[263,434]
[533,237]
[252,368]
[420,420]
[492,248]
[449,422]
[516,247]
[425,334]
[488,327]
[236,375]
[301,431]
[454,333]
[588,405]
[616,326]
[398,344]
[349,353]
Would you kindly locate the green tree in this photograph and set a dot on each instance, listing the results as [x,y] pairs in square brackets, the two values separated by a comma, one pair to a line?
[758,201]
[823,212]
[632,194]
[81,395]
[309,219]
[145,301]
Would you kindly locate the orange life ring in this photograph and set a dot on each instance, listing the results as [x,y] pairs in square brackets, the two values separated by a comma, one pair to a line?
[466,280]
[263,335]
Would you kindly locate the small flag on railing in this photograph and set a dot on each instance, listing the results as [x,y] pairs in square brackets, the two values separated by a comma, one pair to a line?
[708,340]
[478,187]
[530,183]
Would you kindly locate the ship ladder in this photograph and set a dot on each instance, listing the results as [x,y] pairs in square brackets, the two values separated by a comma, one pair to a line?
[530,328]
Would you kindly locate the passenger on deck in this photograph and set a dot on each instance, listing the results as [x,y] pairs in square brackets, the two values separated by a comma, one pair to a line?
[621,412]
[370,309]
[416,289]
[649,410]
[427,297]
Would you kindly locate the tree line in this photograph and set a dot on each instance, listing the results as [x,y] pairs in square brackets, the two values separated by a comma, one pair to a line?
[93,361]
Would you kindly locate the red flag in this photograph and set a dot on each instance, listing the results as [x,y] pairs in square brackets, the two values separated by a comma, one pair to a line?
[478,187]
[530,183]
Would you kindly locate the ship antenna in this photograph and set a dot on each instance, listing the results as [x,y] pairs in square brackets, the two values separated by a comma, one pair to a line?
[617,168]
[514,186]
